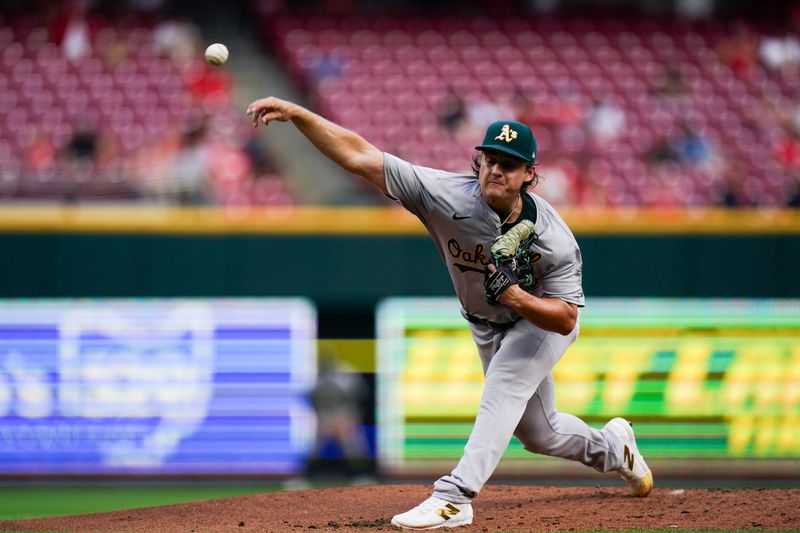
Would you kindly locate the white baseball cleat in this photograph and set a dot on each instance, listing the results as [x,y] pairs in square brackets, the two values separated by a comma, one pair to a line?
[435,513]
[633,470]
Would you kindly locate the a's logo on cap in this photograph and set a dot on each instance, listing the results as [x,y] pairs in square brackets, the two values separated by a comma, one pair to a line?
[506,134]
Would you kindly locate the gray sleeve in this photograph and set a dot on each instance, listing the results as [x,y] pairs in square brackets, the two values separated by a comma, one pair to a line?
[412,185]
[565,281]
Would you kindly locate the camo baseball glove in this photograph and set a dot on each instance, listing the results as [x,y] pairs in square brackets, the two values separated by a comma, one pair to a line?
[512,260]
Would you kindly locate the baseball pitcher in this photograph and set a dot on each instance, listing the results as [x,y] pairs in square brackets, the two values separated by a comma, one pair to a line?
[516,269]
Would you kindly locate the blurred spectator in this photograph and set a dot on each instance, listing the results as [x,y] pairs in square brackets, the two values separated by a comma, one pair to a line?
[739,50]
[208,86]
[525,109]
[539,118]
[337,400]
[84,142]
[733,191]
[477,114]
[41,154]
[763,115]
[690,146]
[328,64]
[71,31]
[176,39]
[661,151]
[787,149]
[793,192]
[483,111]
[260,161]
[558,183]
[187,181]
[453,112]
[149,165]
[77,162]
[780,53]
[112,46]
[672,83]
[567,111]
[605,121]
[567,120]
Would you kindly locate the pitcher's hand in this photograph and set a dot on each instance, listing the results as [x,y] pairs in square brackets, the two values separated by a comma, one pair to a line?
[271,108]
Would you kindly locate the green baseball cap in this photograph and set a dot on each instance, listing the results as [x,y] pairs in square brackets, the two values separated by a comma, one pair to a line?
[510,137]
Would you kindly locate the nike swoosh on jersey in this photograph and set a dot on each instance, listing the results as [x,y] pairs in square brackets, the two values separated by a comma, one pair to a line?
[456,216]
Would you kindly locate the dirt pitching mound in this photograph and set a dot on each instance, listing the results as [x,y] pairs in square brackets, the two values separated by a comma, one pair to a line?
[498,508]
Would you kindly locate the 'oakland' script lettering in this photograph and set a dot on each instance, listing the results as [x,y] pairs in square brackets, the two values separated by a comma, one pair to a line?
[476,257]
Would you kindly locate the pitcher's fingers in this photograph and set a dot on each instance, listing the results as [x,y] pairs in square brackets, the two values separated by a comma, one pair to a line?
[259,114]
[256,108]
[257,105]
[270,115]
[255,118]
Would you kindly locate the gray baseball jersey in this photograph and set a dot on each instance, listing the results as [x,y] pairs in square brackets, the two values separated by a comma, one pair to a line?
[464,227]
[518,395]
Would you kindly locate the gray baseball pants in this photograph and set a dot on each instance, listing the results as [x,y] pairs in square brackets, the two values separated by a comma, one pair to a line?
[518,398]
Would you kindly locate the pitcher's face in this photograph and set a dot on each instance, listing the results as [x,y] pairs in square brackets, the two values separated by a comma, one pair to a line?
[502,176]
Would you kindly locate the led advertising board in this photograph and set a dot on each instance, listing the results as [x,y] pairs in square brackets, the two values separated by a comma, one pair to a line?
[179,386]
[700,379]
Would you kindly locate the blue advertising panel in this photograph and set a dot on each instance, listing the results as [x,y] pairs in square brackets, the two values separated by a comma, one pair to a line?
[156,386]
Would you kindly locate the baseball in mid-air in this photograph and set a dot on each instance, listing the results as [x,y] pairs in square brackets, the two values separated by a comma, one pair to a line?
[216,54]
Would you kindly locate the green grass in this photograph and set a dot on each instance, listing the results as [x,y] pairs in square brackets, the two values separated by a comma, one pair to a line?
[37,501]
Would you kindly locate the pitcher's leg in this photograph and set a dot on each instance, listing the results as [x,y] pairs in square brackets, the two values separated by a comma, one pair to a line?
[527,354]
[542,429]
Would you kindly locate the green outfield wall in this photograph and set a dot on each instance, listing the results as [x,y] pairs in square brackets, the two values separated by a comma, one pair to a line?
[358,270]
[350,258]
